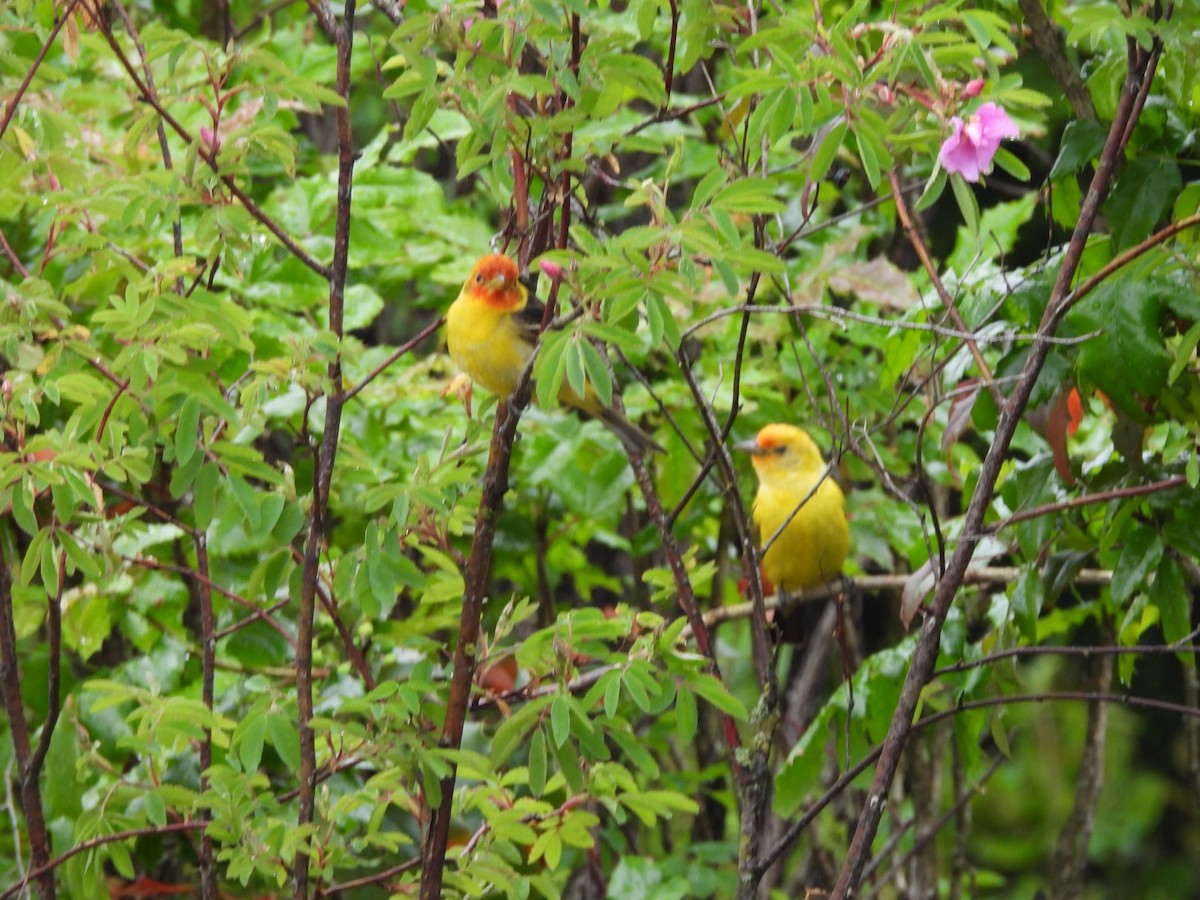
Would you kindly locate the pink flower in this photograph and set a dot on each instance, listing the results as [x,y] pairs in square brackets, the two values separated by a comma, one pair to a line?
[208,140]
[969,150]
[973,88]
[552,270]
[470,20]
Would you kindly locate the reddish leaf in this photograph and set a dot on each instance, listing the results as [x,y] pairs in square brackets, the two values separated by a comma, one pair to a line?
[960,413]
[145,887]
[1058,425]
[1075,409]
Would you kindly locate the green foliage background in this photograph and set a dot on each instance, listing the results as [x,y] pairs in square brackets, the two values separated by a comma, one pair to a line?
[165,384]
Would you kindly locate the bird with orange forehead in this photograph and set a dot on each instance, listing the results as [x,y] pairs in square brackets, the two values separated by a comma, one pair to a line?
[491,329]
[799,510]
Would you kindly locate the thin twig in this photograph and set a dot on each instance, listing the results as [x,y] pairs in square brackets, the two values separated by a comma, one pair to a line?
[319,522]
[15,99]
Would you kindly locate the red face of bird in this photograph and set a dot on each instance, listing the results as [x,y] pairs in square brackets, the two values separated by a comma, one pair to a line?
[493,281]
[781,447]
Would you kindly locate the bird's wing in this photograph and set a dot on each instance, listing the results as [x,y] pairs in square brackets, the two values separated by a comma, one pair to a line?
[529,318]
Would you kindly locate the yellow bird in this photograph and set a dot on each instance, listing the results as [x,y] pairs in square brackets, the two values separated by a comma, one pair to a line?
[491,329]
[792,483]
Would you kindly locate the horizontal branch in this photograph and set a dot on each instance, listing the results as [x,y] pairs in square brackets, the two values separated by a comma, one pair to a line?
[113,838]
[870,583]
[835,313]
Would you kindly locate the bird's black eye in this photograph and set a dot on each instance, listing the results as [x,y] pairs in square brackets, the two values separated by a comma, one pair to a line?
[479,278]
[781,449]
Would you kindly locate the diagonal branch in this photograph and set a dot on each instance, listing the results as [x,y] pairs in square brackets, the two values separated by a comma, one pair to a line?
[925,654]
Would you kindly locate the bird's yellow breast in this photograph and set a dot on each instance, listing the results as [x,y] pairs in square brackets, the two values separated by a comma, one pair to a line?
[487,344]
[812,548]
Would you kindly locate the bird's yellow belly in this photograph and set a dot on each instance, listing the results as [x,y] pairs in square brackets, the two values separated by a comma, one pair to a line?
[488,348]
[812,548]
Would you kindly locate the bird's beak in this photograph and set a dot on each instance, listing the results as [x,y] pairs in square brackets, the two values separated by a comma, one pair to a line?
[750,447]
[496,283]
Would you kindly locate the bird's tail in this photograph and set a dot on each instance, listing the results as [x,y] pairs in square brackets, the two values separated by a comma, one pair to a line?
[631,436]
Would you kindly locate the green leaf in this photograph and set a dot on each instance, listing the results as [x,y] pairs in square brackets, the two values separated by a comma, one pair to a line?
[33,555]
[966,203]
[1081,143]
[575,371]
[1139,557]
[156,809]
[635,689]
[186,429]
[551,366]
[748,195]
[1027,598]
[1170,594]
[560,720]
[1144,193]
[830,142]
[708,186]
[22,507]
[1129,360]
[597,372]
[715,693]
[567,757]
[612,697]
[249,737]
[512,732]
[548,846]
[285,739]
[686,716]
[1008,161]
[248,500]
[537,763]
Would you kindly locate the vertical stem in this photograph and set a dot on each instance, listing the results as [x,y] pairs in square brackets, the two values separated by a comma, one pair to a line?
[323,472]
[208,628]
[495,485]
[1070,853]
[10,686]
